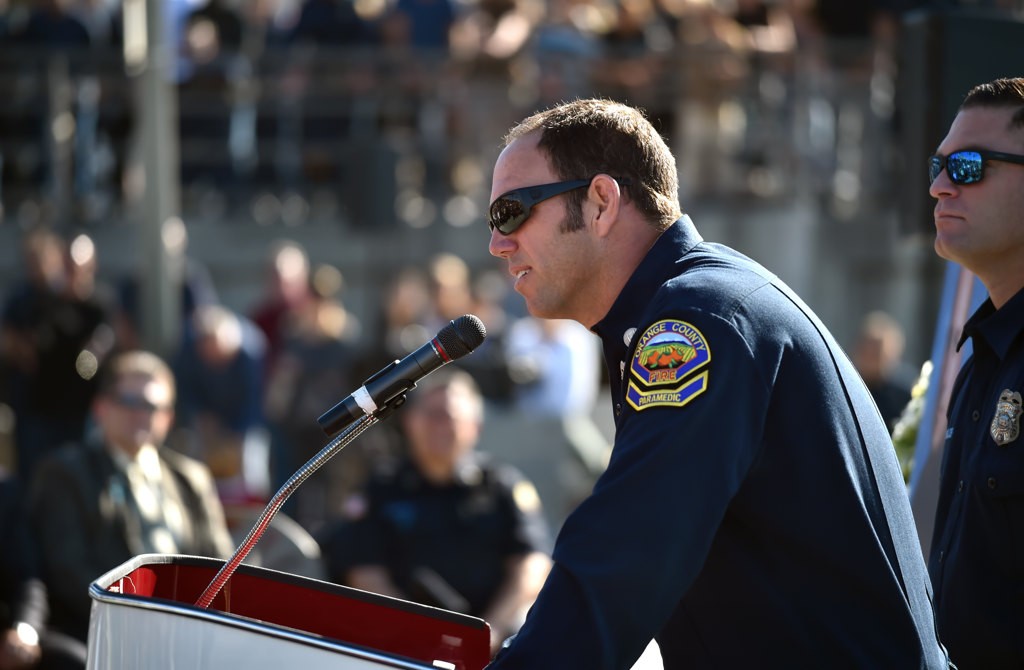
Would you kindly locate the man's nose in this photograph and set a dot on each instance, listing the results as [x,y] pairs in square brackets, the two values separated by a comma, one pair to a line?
[500,245]
[942,186]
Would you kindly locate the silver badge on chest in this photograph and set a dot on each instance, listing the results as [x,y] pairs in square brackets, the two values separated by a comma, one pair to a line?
[1006,423]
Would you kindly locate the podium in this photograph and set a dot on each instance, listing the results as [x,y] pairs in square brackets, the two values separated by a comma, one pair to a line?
[144,618]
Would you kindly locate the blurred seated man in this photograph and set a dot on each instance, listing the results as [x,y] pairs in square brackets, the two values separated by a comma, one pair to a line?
[122,493]
[444,526]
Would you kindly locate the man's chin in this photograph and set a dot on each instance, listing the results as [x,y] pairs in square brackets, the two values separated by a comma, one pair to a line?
[543,312]
[944,248]
[143,439]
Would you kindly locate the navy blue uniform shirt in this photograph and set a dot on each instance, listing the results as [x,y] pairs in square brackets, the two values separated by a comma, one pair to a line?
[740,520]
[977,553]
[447,546]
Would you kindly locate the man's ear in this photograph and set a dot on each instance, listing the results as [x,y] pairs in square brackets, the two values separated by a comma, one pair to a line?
[605,194]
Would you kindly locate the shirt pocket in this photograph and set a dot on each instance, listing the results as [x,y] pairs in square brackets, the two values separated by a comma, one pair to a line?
[1001,480]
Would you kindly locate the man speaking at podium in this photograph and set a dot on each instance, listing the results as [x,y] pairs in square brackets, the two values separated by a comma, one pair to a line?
[752,514]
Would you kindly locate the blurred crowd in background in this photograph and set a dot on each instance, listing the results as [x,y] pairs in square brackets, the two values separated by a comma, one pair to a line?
[391,110]
[251,384]
[248,387]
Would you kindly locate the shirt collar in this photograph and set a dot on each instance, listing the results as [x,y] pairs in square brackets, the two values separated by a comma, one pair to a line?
[147,458]
[468,473]
[998,328]
[651,273]
[618,328]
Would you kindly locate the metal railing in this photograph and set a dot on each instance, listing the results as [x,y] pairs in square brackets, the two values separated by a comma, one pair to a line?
[373,136]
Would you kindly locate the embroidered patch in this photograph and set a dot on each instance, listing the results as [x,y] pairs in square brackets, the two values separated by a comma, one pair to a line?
[1005,425]
[666,397]
[526,497]
[668,354]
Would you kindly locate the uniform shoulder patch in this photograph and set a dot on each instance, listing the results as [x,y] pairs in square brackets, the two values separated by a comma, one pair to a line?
[526,497]
[667,356]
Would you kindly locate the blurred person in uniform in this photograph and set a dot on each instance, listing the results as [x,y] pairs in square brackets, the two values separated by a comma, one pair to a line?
[977,179]
[122,492]
[752,505]
[444,525]
[878,355]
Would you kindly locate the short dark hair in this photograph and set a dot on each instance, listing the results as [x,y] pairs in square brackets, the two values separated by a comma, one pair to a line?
[583,138]
[445,378]
[134,362]
[1006,92]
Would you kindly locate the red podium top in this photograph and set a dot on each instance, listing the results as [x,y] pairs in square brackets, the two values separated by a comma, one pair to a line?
[319,609]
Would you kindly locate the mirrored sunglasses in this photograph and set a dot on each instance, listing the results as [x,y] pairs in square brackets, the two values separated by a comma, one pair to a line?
[967,167]
[511,210]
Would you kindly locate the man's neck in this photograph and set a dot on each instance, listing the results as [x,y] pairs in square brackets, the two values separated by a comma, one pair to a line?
[1001,290]
[125,454]
[631,242]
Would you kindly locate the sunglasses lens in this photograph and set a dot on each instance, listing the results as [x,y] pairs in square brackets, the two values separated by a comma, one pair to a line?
[135,402]
[506,215]
[934,168]
[964,167]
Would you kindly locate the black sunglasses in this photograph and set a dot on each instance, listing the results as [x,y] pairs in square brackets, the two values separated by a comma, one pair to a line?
[510,210]
[134,401]
[967,167]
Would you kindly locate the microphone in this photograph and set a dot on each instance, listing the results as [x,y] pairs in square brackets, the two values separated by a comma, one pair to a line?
[458,338]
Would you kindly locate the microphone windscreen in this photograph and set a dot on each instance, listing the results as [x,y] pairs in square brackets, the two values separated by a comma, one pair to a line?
[462,335]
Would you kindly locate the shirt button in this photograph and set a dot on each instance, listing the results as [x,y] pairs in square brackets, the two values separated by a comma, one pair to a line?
[942,554]
[975,415]
[960,485]
[618,408]
[992,483]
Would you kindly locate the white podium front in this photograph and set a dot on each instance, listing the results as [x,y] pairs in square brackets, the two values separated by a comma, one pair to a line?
[144,618]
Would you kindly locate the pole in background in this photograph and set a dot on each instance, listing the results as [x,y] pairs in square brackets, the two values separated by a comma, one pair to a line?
[162,238]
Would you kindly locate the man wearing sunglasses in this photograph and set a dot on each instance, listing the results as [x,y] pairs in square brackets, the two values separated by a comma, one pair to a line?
[752,514]
[121,493]
[977,552]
